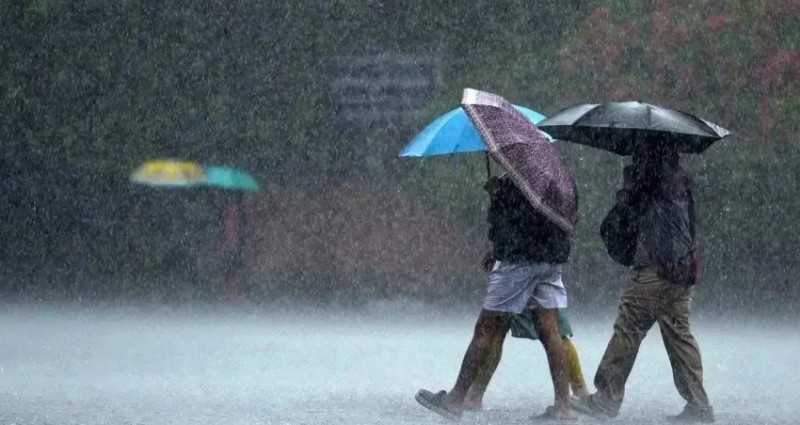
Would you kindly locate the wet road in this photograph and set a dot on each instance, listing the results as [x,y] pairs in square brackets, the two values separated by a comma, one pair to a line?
[154,366]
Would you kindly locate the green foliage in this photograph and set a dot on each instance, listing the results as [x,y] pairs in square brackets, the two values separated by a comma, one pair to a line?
[91,89]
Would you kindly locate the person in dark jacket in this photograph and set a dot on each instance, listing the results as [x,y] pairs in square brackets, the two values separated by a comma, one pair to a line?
[651,229]
[528,253]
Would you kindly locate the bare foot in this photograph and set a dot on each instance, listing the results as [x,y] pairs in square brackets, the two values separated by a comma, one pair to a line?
[472,405]
[453,403]
[564,413]
[581,393]
[558,413]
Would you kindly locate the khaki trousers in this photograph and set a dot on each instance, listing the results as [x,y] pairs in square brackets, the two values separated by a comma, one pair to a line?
[648,299]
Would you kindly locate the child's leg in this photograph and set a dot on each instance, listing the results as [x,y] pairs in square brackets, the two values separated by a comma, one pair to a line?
[576,381]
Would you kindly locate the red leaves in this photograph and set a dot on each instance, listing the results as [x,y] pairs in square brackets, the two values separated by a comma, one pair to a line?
[775,68]
[716,21]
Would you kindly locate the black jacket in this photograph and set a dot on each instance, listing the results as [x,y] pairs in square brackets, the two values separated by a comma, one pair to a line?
[518,232]
[660,222]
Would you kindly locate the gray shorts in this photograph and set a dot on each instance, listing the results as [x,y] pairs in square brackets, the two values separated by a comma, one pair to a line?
[514,287]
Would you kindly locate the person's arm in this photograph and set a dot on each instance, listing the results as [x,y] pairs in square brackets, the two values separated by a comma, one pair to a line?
[675,210]
[488,261]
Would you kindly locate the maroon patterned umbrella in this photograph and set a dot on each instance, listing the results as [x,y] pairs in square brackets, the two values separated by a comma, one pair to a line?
[531,160]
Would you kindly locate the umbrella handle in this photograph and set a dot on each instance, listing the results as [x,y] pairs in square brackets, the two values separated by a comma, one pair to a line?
[488,166]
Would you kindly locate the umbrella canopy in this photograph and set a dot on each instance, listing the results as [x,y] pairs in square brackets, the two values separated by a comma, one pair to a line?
[453,133]
[531,160]
[230,178]
[169,173]
[618,126]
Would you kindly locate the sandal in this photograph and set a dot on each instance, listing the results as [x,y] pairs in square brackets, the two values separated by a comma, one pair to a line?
[435,403]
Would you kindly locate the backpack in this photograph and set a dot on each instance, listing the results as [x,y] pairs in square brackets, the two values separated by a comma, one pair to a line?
[619,231]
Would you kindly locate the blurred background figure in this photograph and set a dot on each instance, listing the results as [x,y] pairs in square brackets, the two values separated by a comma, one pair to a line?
[233,247]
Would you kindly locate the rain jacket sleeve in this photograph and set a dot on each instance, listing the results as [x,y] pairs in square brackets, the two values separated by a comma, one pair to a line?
[667,230]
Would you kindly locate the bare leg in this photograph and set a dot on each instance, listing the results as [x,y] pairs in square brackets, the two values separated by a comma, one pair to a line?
[557,359]
[474,398]
[488,327]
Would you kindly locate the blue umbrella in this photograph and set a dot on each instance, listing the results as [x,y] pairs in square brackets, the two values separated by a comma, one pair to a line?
[453,133]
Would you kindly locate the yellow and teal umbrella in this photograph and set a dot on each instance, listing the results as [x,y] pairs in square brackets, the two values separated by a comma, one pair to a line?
[178,173]
[169,173]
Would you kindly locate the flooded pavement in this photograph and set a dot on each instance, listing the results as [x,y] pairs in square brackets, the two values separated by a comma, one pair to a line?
[153,366]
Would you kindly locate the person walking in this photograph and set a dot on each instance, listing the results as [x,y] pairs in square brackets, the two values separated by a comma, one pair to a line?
[526,326]
[529,251]
[651,229]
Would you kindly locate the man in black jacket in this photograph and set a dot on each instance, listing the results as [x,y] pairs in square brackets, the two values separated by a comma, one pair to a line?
[528,253]
[651,229]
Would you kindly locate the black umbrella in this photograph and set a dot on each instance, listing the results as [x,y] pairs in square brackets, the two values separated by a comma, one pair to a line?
[531,160]
[618,126]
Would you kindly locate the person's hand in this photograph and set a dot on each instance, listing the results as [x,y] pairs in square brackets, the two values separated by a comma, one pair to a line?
[488,261]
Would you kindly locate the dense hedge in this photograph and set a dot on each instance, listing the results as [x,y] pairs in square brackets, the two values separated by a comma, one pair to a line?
[92,88]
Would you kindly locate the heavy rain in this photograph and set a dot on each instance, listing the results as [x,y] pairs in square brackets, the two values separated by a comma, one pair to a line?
[247,212]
